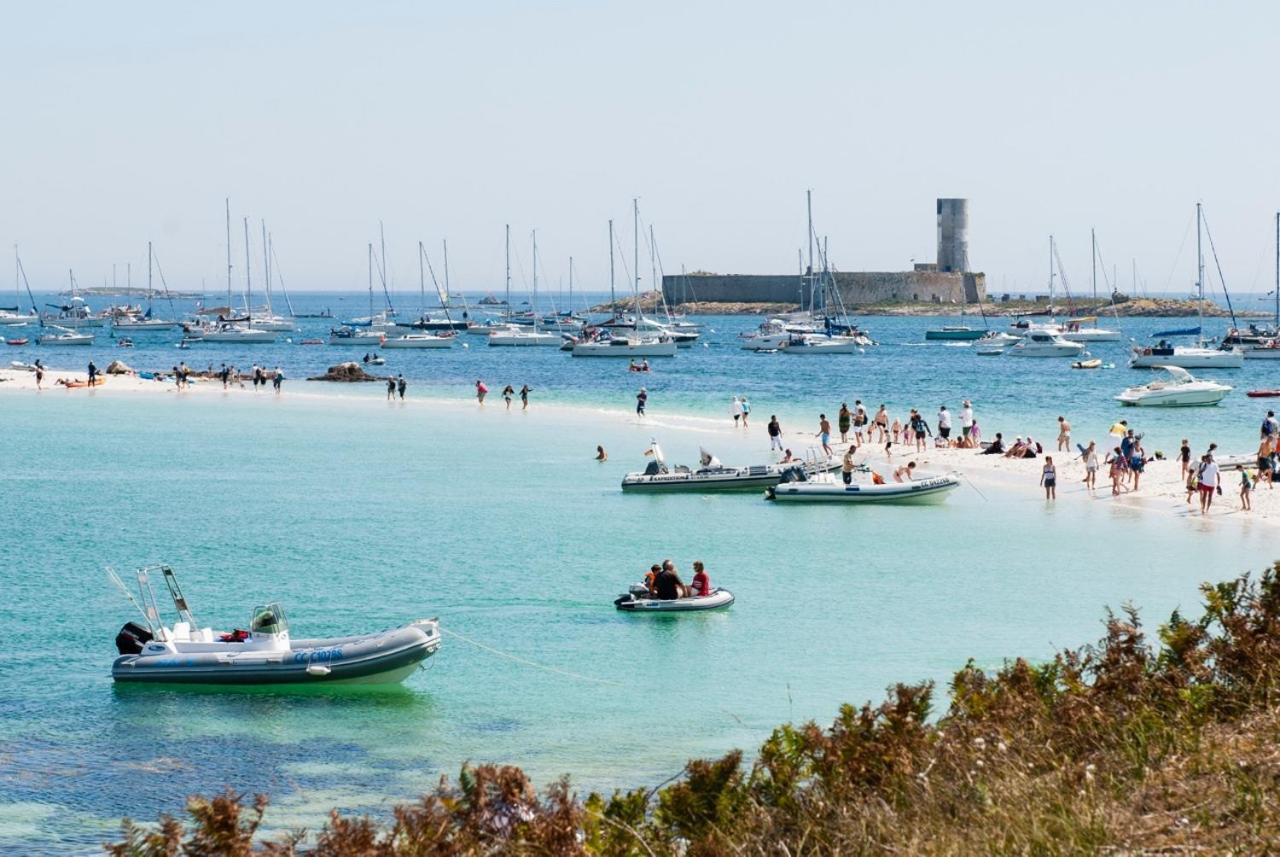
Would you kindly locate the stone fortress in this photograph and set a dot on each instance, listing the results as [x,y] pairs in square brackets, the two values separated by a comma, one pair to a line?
[947,281]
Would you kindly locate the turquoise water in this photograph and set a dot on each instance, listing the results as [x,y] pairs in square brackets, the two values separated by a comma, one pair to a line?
[358,514]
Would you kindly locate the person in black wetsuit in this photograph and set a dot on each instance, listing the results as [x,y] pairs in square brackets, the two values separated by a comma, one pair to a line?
[668,584]
[996,447]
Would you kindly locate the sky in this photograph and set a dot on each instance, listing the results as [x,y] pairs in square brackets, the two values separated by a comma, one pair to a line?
[128,123]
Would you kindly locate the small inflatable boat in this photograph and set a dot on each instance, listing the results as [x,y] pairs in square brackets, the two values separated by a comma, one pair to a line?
[638,600]
[924,488]
[265,653]
[1263,394]
[1095,363]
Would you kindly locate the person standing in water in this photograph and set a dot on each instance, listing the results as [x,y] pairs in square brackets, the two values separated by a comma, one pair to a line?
[775,433]
[746,411]
[391,388]
[844,419]
[277,379]
[401,384]
[824,432]
[481,391]
[1049,479]
[93,374]
[601,455]
[507,392]
[735,409]
[642,399]
[525,390]
[1064,435]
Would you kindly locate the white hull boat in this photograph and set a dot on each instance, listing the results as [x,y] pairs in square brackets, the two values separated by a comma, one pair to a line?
[988,349]
[419,340]
[1091,334]
[923,489]
[815,343]
[1182,390]
[364,337]
[7,317]
[235,333]
[624,347]
[1041,343]
[516,337]
[264,654]
[141,325]
[65,337]
[1269,351]
[274,323]
[639,600]
[1186,357]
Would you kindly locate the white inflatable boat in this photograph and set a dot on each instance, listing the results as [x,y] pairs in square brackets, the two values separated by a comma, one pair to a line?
[711,475]
[265,653]
[923,488]
[638,600]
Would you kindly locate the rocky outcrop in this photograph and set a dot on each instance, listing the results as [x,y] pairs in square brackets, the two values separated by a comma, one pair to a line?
[346,372]
[119,367]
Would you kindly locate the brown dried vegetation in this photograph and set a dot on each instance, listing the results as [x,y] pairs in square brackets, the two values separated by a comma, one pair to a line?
[1117,747]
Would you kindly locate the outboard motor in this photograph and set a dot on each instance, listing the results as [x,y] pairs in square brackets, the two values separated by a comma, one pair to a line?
[132,638]
[795,473]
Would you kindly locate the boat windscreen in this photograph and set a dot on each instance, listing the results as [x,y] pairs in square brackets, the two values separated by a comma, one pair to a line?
[268,619]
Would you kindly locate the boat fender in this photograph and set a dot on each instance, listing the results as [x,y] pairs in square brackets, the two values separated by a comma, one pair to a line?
[318,670]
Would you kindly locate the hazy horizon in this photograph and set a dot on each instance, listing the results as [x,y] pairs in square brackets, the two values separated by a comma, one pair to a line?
[133,124]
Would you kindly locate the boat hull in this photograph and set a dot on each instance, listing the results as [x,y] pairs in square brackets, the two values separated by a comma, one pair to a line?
[920,491]
[525,340]
[419,341]
[383,658]
[633,349]
[1210,360]
[955,334]
[1174,399]
[633,603]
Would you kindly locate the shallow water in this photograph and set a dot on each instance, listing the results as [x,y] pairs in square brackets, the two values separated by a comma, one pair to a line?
[357,514]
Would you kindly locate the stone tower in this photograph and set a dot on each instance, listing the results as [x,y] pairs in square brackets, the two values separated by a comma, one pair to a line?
[953,235]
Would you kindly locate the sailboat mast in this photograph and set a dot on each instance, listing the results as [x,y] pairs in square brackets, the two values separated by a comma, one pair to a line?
[266,267]
[228,202]
[422,282]
[445,242]
[382,238]
[808,204]
[653,262]
[534,307]
[1093,241]
[1277,322]
[148,277]
[248,278]
[371,283]
[635,250]
[570,285]
[508,269]
[1199,275]
[1051,272]
[613,298]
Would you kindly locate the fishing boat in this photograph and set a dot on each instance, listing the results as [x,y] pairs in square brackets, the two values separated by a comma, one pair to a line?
[264,653]
[1043,343]
[953,333]
[923,488]
[711,475]
[1181,390]
[63,336]
[638,599]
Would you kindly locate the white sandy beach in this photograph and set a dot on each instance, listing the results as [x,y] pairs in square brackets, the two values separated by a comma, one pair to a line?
[1162,488]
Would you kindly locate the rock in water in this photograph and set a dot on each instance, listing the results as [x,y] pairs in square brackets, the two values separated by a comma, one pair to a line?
[346,372]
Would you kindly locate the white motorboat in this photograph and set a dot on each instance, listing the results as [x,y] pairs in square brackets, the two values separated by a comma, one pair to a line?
[988,349]
[1267,349]
[13,316]
[769,336]
[1085,329]
[1043,343]
[274,323]
[516,336]
[141,324]
[711,475]
[75,314]
[1181,390]
[185,653]
[64,336]
[998,337]
[625,346]
[364,337]
[419,340]
[923,488]
[1186,356]
[638,599]
[821,343]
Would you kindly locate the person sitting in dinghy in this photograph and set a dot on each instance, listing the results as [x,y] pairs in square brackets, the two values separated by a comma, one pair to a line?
[651,579]
[669,585]
[700,586]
